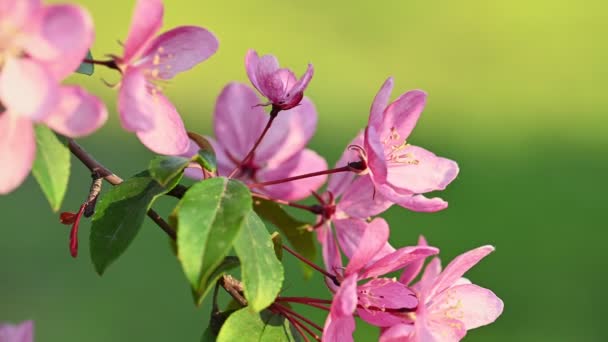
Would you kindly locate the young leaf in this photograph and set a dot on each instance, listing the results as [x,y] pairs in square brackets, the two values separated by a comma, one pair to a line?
[86,68]
[262,272]
[119,216]
[297,232]
[165,168]
[206,154]
[209,217]
[247,326]
[52,166]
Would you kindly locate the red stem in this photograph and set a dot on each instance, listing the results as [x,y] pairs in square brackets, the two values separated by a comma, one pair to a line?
[307,175]
[303,300]
[313,265]
[297,315]
[273,114]
[295,323]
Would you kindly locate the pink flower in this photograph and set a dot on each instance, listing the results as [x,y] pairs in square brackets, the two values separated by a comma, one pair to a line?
[402,172]
[380,294]
[238,122]
[23,332]
[279,85]
[449,304]
[146,63]
[39,46]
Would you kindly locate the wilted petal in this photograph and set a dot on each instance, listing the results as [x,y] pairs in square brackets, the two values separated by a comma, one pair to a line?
[458,267]
[361,199]
[61,38]
[23,332]
[304,162]
[238,121]
[17,151]
[27,89]
[136,103]
[290,132]
[402,114]
[379,104]
[340,323]
[398,260]
[470,304]
[179,50]
[78,113]
[373,240]
[398,333]
[147,20]
[168,135]
[385,293]
[412,270]
[422,172]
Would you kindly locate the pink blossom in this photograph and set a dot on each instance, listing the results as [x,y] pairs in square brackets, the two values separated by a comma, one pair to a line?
[39,46]
[449,304]
[23,332]
[380,294]
[279,85]
[238,123]
[400,171]
[147,62]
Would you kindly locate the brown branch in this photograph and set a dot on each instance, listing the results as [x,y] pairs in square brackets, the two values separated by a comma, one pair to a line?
[233,287]
[94,166]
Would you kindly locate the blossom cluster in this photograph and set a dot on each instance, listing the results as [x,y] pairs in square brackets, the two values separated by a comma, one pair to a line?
[260,138]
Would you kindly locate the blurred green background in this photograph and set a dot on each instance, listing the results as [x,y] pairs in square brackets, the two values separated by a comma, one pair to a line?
[516,96]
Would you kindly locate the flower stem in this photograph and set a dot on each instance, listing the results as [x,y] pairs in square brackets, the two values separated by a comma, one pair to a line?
[313,265]
[297,315]
[307,175]
[273,114]
[108,63]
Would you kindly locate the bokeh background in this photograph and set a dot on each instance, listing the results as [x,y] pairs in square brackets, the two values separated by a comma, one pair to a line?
[517,95]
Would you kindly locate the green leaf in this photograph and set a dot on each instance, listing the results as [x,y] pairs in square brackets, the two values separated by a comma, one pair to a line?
[209,218]
[165,168]
[248,326]
[226,265]
[52,166]
[297,232]
[261,271]
[206,154]
[119,216]
[208,335]
[86,68]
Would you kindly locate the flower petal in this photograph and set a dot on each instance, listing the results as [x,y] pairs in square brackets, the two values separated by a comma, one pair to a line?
[331,255]
[179,50]
[459,266]
[402,114]
[349,233]
[397,260]
[251,66]
[224,164]
[168,136]
[17,151]
[339,182]
[380,102]
[136,104]
[340,323]
[23,332]
[373,240]
[471,304]
[78,113]
[382,318]
[397,333]
[361,199]
[432,270]
[422,172]
[376,161]
[412,270]
[290,132]
[268,83]
[386,293]
[304,162]
[61,38]
[444,330]
[27,89]
[19,13]
[301,84]
[147,20]
[238,121]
